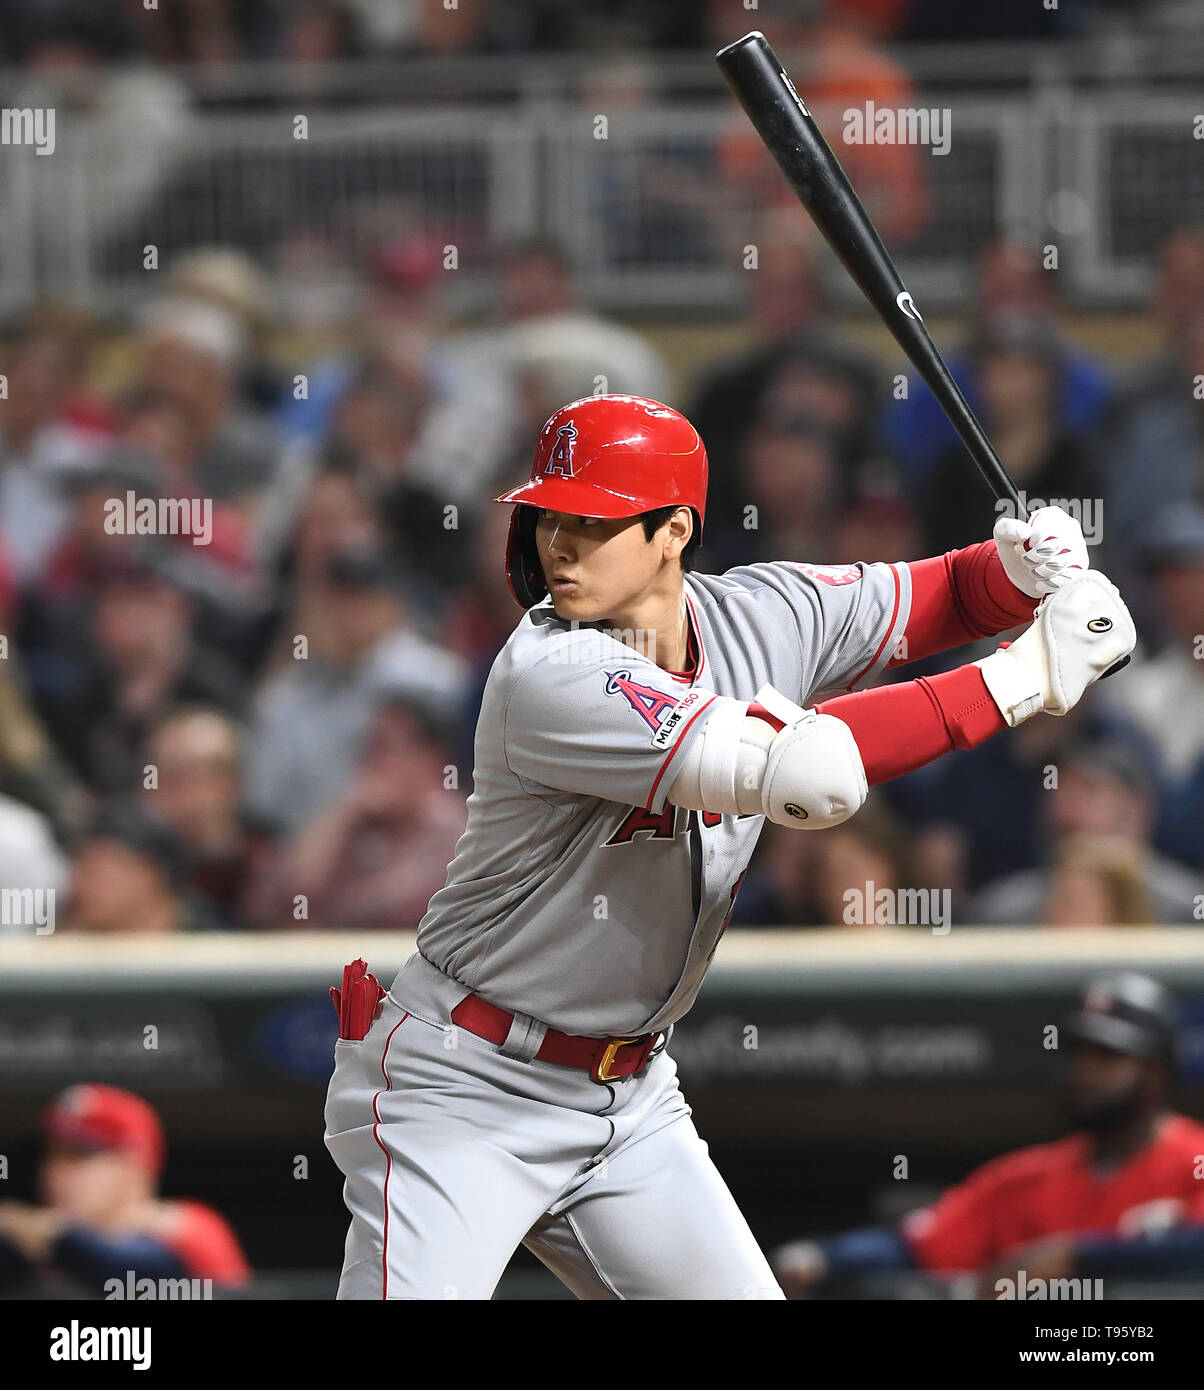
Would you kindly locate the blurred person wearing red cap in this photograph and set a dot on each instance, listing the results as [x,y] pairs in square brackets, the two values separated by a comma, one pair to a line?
[101,1218]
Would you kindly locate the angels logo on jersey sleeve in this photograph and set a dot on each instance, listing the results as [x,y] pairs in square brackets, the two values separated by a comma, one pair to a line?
[648,702]
[835,575]
[665,714]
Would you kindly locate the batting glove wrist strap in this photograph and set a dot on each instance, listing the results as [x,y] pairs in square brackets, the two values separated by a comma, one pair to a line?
[1015,686]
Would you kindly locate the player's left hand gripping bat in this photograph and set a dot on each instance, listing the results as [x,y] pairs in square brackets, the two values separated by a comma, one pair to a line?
[783,122]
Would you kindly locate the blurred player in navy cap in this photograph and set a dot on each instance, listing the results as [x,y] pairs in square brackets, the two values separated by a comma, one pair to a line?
[1122,1194]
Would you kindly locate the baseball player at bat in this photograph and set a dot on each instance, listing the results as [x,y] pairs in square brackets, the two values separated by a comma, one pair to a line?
[516,1084]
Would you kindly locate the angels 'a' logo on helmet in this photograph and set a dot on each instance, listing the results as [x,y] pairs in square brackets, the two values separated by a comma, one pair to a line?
[561,461]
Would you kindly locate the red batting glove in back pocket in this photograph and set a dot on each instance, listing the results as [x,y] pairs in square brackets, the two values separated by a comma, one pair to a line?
[358,1002]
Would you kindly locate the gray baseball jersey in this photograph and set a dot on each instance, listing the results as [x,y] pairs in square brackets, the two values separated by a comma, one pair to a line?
[578,894]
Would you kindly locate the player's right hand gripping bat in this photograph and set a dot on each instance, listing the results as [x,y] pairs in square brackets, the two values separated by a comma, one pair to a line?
[788,129]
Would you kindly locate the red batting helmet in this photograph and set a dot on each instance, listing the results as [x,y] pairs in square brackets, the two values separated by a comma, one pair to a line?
[606,456]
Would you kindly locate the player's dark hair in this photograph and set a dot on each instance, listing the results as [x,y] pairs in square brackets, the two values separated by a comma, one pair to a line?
[655,519]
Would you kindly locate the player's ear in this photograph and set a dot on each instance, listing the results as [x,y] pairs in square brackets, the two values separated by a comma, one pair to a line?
[681,527]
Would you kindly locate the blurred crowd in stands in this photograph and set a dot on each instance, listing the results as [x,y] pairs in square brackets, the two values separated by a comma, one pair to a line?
[264,718]
[146,151]
[254,706]
[314,31]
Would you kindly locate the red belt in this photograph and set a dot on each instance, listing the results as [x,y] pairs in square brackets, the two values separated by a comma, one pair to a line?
[606,1059]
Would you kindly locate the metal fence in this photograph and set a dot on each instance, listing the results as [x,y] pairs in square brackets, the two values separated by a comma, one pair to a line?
[1141,52]
[642,202]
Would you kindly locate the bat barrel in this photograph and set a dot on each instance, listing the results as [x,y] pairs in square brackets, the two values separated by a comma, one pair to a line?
[781,118]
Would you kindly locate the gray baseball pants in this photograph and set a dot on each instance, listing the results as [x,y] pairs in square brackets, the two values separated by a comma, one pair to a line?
[457,1150]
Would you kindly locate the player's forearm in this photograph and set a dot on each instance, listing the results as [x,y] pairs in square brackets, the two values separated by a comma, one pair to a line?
[898,728]
[811,769]
[1082,630]
[959,597]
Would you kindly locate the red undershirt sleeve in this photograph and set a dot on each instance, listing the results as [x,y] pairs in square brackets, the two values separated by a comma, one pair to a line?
[956,598]
[939,713]
[959,597]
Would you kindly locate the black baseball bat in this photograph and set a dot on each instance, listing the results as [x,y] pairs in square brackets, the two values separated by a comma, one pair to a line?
[781,118]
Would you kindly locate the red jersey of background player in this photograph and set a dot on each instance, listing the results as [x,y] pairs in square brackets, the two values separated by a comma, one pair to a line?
[103,1220]
[1050,1189]
[204,1242]
[1122,1194]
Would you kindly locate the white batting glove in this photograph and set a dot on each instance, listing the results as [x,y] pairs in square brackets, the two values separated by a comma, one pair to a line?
[1079,632]
[1042,552]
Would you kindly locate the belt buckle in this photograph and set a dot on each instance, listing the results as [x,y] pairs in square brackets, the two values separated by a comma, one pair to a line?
[600,1071]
